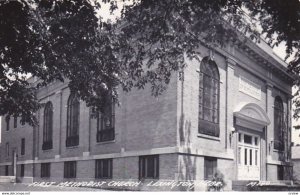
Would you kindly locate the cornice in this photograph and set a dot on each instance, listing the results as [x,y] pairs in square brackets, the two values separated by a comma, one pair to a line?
[249,68]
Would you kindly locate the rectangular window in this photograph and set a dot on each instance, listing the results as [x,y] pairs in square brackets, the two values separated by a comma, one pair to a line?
[7,149]
[15,122]
[240,137]
[22,170]
[210,167]
[6,170]
[7,119]
[247,139]
[70,169]
[245,156]
[256,141]
[250,158]
[23,146]
[256,157]
[103,169]
[22,121]
[106,121]
[280,172]
[149,167]
[45,170]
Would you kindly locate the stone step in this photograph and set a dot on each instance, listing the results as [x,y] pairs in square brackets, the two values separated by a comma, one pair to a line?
[25,179]
[284,185]
[7,179]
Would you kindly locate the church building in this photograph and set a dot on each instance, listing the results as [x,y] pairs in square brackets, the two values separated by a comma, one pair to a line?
[230,113]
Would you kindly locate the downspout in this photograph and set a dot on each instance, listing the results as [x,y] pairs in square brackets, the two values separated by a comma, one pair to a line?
[226,110]
[60,123]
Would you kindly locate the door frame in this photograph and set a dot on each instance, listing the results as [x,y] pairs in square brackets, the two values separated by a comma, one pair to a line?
[243,145]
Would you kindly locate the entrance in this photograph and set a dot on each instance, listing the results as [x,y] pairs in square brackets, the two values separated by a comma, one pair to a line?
[248,156]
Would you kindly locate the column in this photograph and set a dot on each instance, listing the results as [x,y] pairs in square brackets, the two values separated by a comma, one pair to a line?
[230,102]
[269,130]
[231,138]
[270,112]
[60,95]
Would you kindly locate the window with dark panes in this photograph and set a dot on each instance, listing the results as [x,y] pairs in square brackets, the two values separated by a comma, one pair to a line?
[23,146]
[103,169]
[106,121]
[209,87]
[73,121]
[70,169]
[48,127]
[250,156]
[15,122]
[210,167]
[149,167]
[7,149]
[247,139]
[6,170]
[245,156]
[45,170]
[7,120]
[22,121]
[22,170]
[280,172]
[278,124]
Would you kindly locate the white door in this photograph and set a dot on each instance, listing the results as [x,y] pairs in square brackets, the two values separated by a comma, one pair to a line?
[248,157]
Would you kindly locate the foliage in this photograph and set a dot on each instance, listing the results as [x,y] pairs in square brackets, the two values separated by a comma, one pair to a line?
[218,182]
[65,40]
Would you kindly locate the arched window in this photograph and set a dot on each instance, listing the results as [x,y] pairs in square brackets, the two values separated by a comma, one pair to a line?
[278,124]
[73,121]
[209,87]
[48,126]
[106,121]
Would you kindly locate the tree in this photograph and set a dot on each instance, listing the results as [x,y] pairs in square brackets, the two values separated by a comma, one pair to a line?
[65,40]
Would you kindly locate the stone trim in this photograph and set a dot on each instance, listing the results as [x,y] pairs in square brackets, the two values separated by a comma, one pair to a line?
[167,150]
[209,137]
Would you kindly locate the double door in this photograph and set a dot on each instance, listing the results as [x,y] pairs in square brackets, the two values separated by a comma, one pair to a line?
[248,157]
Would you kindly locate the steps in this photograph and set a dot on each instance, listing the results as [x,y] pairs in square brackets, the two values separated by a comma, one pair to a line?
[7,179]
[241,185]
[248,185]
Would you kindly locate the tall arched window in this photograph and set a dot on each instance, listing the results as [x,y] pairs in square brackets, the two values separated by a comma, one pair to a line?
[48,126]
[106,121]
[73,121]
[278,124]
[209,87]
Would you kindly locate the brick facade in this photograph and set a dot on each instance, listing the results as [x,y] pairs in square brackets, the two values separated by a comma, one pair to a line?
[166,125]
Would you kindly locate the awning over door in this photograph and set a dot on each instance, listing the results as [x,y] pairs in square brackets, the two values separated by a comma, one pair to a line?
[251,116]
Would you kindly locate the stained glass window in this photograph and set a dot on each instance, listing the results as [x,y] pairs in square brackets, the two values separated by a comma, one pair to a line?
[73,121]
[48,126]
[106,121]
[278,124]
[209,87]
